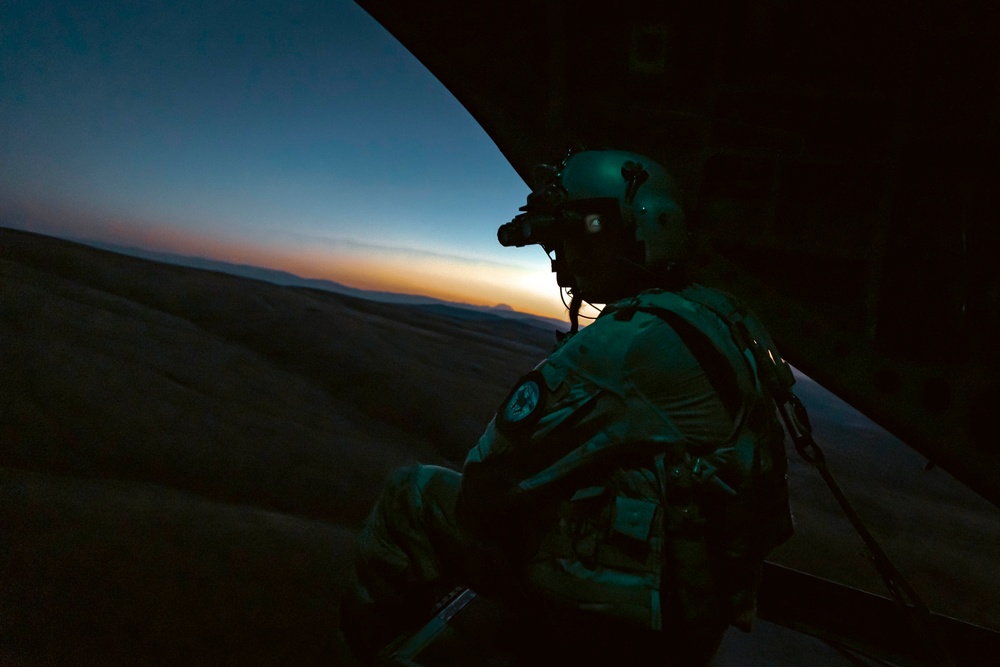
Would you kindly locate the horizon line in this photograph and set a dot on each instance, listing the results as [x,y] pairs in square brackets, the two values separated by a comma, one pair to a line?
[147,253]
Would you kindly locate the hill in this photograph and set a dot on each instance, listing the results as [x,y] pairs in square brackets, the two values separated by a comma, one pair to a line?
[186,455]
[285,278]
[186,452]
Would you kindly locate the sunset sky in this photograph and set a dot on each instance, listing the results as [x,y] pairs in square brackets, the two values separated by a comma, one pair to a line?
[297,136]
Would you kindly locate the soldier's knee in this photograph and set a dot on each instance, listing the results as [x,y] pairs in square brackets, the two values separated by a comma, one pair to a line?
[403,478]
[410,489]
[420,479]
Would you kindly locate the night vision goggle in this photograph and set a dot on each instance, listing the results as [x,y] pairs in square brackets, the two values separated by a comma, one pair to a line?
[543,229]
[548,228]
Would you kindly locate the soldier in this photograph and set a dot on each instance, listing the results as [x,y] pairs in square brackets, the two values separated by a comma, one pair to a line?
[635,479]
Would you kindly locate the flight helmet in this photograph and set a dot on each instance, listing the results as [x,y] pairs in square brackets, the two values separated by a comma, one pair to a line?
[645,193]
[608,216]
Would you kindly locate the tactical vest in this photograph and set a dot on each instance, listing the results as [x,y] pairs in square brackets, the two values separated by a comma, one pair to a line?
[674,536]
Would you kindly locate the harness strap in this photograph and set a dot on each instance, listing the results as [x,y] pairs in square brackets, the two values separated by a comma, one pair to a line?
[906,599]
[718,369]
[776,377]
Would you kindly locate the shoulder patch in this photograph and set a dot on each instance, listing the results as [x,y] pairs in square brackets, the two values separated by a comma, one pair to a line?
[524,404]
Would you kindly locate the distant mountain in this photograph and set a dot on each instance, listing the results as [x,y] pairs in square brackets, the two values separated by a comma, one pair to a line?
[278,277]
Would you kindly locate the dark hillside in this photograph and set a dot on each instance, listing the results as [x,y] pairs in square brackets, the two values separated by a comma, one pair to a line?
[184,454]
[185,457]
[236,389]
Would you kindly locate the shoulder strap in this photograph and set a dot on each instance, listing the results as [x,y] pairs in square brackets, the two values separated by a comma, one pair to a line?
[749,334]
[718,369]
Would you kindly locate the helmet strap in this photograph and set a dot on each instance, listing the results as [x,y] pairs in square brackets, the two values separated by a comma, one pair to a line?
[574,312]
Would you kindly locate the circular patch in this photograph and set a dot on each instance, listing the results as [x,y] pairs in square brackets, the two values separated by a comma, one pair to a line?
[524,403]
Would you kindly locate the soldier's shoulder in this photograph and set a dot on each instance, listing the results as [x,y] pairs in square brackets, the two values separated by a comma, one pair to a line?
[688,298]
[696,295]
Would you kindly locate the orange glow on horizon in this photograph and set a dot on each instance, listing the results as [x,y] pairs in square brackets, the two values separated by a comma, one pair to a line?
[486,288]
[450,279]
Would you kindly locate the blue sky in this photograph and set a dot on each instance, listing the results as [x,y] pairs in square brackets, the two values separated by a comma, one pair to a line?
[295,136]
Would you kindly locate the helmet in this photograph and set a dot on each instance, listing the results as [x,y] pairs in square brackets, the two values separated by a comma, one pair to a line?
[628,198]
[645,193]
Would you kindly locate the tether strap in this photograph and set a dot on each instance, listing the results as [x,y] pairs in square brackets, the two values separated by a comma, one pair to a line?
[723,379]
[906,599]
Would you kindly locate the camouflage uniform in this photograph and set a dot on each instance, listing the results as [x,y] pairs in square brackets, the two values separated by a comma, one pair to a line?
[636,474]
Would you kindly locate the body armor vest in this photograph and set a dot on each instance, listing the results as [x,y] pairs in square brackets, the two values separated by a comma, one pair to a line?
[656,522]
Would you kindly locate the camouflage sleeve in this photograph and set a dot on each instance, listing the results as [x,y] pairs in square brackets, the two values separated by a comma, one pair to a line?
[541,420]
[563,421]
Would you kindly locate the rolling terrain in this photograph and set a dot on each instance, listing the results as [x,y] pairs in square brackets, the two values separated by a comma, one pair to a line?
[186,455]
